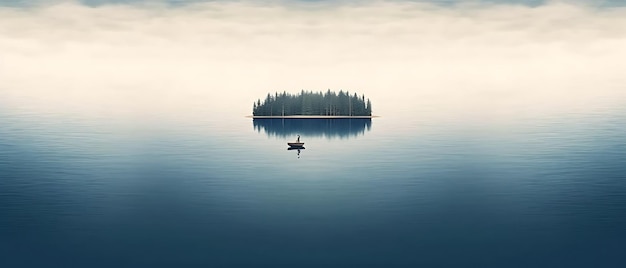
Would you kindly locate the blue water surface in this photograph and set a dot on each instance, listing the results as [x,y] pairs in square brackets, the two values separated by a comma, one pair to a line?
[81,191]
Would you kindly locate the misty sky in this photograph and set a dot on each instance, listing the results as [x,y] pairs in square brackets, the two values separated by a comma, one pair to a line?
[173,57]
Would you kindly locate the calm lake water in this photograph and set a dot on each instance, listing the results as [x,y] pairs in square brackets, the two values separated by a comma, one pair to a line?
[79,191]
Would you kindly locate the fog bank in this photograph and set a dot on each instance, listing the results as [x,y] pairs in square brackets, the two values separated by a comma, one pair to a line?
[198,59]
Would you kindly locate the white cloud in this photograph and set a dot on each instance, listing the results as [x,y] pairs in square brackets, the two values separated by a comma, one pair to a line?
[145,59]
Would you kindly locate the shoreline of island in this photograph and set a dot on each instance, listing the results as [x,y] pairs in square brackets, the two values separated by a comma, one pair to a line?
[312,116]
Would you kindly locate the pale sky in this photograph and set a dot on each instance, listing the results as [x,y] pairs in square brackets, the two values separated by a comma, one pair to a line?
[136,59]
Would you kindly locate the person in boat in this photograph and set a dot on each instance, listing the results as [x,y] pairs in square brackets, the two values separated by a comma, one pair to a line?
[298,139]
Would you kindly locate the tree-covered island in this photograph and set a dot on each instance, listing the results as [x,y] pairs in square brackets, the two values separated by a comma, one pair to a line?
[310,103]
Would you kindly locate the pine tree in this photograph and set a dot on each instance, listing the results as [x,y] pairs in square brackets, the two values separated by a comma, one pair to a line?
[312,103]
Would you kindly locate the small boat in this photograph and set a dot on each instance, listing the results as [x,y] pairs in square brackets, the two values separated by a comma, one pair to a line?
[296,144]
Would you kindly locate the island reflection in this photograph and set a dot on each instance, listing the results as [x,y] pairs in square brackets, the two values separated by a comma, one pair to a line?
[329,128]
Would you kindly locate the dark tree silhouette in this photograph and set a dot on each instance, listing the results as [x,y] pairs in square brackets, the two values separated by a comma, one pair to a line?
[313,103]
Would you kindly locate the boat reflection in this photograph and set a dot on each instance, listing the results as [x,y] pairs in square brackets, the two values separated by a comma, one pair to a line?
[297,149]
[329,128]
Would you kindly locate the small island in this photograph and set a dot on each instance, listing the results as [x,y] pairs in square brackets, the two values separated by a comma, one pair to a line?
[308,104]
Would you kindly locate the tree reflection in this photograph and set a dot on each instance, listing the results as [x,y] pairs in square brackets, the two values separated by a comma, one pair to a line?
[329,128]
